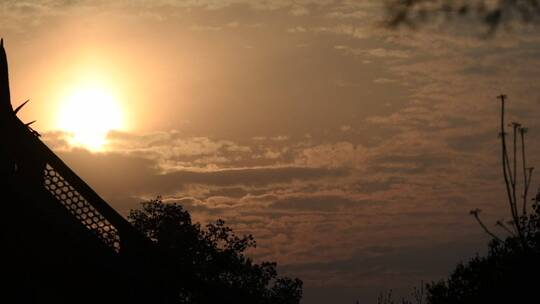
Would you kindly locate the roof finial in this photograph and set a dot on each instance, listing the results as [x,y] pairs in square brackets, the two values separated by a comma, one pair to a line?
[5,100]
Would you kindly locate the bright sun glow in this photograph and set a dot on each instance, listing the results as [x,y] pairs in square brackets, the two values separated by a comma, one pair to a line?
[88,114]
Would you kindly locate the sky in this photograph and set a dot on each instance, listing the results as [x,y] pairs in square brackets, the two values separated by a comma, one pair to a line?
[352,152]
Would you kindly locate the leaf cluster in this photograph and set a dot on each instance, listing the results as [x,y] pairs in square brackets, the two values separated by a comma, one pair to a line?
[208,264]
[493,14]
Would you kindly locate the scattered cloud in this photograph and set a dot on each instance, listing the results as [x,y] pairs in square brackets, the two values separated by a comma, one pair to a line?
[371,147]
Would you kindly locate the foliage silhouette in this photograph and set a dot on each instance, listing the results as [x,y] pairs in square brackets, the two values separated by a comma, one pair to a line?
[208,265]
[417,297]
[491,13]
[508,274]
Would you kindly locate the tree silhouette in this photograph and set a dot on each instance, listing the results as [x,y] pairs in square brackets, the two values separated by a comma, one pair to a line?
[208,265]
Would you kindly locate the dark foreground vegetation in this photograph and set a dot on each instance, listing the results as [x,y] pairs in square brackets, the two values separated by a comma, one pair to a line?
[208,264]
[509,272]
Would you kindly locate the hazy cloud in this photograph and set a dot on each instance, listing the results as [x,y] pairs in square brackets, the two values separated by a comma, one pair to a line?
[348,150]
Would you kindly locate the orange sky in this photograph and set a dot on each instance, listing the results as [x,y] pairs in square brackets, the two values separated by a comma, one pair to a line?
[353,153]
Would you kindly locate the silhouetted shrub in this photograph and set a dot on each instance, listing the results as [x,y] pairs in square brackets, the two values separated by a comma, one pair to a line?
[208,265]
[507,274]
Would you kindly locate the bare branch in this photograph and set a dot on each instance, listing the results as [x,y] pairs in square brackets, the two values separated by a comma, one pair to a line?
[507,174]
[513,174]
[503,226]
[527,172]
[475,213]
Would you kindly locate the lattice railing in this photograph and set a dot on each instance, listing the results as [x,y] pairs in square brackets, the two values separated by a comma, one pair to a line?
[79,207]
[37,163]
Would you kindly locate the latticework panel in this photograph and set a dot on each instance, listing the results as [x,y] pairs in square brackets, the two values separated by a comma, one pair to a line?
[73,201]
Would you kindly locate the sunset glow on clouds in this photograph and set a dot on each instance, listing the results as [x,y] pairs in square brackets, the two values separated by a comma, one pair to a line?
[353,153]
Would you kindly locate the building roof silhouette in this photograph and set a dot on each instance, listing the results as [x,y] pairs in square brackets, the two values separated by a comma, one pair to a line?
[61,242]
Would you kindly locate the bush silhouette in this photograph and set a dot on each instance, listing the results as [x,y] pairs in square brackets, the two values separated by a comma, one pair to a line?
[208,265]
[507,274]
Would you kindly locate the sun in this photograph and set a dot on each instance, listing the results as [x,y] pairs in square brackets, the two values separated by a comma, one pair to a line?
[87,114]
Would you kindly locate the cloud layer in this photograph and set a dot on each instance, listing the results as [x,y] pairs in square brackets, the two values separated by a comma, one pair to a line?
[351,152]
